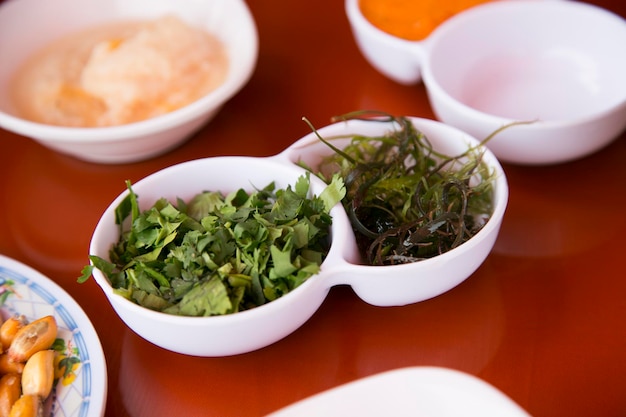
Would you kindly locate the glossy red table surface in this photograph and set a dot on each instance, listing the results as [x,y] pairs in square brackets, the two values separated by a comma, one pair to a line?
[543,319]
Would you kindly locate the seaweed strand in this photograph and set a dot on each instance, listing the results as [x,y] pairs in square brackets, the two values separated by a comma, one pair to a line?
[406,201]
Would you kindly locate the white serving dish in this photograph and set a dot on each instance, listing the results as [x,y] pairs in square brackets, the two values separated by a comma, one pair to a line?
[259,327]
[409,392]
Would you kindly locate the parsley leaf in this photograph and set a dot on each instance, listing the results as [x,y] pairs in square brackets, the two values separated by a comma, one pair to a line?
[219,254]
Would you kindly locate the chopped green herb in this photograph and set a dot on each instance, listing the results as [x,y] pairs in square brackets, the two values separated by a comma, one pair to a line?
[217,254]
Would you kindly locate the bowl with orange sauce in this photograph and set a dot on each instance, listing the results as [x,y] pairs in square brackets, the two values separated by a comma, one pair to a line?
[118,82]
[387,31]
[547,75]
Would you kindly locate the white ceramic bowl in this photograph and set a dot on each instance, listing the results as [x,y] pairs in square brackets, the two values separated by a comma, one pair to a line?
[26,26]
[228,334]
[261,326]
[409,283]
[28,292]
[558,64]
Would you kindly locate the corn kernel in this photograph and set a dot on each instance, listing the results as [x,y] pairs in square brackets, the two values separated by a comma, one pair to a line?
[27,406]
[10,390]
[35,336]
[38,374]
[9,367]
[9,328]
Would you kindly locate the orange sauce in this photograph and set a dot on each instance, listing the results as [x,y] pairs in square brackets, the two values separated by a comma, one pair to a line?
[119,73]
[412,19]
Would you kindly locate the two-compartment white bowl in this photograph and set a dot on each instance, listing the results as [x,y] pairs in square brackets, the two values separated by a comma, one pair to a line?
[378,285]
[557,64]
[28,25]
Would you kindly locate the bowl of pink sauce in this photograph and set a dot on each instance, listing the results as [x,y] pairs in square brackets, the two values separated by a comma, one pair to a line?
[117,82]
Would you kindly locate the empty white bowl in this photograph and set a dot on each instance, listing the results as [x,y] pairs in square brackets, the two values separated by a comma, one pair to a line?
[556,64]
[379,285]
[27,25]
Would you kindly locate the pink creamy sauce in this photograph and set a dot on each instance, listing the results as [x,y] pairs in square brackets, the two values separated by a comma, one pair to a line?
[119,73]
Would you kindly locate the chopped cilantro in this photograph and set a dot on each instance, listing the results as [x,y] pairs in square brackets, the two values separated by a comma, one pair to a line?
[219,254]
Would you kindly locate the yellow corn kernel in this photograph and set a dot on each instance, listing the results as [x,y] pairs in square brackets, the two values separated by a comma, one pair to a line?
[27,406]
[9,367]
[9,328]
[35,336]
[38,374]
[10,390]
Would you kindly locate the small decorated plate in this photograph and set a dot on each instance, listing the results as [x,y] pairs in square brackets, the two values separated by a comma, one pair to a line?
[80,369]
